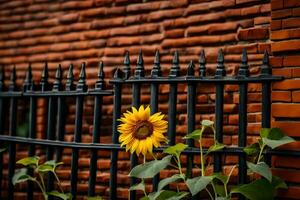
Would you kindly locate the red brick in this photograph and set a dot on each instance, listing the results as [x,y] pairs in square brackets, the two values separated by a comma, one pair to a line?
[175,33]
[287,84]
[286,72]
[287,175]
[142,7]
[295,72]
[76,5]
[276,24]
[250,10]
[253,33]
[291,3]
[296,12]
[262,20]
[276,4]
[280,110]
[278,14]
[276,61]
[292,192]
[296,96]
[285,34]
[291,61]
[245,1]
[290,45]
[290,22]
[281,96]
[133,30]
[165,14]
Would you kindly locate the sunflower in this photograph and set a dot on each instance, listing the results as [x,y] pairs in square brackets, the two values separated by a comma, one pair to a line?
[140,131]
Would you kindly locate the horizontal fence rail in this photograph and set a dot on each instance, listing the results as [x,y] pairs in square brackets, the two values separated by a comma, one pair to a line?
[56,93]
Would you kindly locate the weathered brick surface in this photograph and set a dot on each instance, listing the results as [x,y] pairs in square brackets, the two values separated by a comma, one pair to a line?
[285,96]
[74,31]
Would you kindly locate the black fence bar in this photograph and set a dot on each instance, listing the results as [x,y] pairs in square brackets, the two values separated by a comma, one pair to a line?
[220,73]
[12,132]
[52,111]
[29,85]
[136,97]
[115,134]
[154,92]
[174,72]
[242,131]
[81,86]
[191,114]
[2,77]
[96,131]
[266,98]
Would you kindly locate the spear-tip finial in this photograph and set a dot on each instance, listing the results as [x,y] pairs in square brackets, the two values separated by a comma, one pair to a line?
[100,81]
[202,61]
[175,69]
[190,69]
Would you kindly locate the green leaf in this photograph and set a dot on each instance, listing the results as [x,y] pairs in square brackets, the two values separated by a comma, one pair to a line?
[260,189]
[197,184]
[29,161]
[150,169]
[222,198]
[262,169]
[217,146]
[45,168]
[95,198]
[166,195]
[169,180]
[220,177]
[207,123]
[2,150]
[220,190]
[139,186]
[276,143]
[176,149]
[253,149]
[63,196]
[278,183]
[48,166]
[194,135]
[145,198]
[264,132]
[275,134]
[21,176]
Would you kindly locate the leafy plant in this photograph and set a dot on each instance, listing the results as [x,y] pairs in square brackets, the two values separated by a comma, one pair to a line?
[22,175]
[216,184]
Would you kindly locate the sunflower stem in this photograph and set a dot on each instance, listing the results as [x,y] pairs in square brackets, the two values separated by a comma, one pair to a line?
[201,153]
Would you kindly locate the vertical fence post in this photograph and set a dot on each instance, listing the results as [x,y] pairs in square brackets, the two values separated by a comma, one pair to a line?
[136,94]
[96,130]
[266,98]
[52,104]
[81,87]
[29,86]
[191,114]
[174,72]
[61,109]
[220,72]
[155,73]
[115,135]
[242,131]
[2,77]
[12,132]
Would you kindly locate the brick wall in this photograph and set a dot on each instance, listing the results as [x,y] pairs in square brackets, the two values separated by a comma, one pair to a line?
[74,31]
[285,34]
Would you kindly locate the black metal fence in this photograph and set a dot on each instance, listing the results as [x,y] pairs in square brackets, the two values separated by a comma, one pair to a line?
[56,93]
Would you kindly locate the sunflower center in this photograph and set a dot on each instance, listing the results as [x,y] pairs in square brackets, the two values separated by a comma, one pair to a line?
[143,129]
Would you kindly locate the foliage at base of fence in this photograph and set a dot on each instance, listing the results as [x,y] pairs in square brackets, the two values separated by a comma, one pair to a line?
[216,184]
